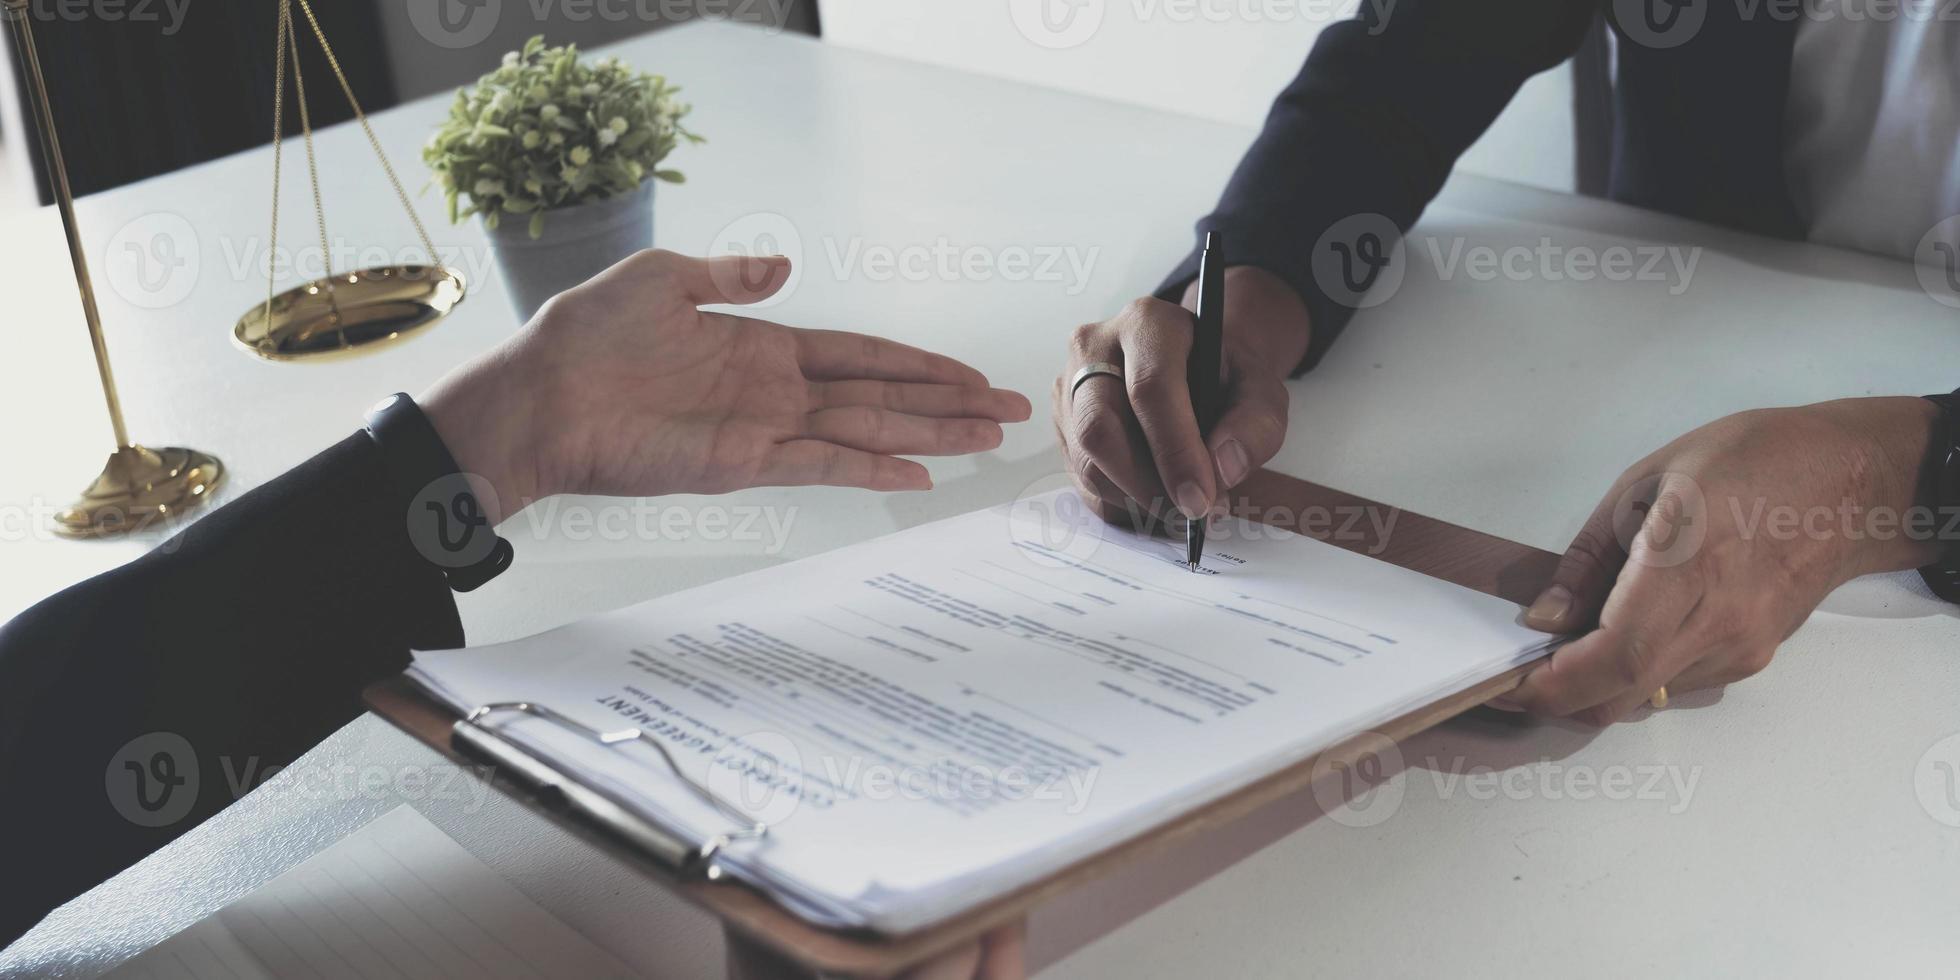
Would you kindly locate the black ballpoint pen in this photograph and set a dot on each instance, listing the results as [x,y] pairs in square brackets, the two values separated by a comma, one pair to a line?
[1202,370]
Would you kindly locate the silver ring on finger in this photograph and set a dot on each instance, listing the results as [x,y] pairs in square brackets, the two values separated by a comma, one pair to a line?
[1091,370]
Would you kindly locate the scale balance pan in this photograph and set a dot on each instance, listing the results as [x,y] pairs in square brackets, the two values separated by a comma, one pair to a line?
[349,313]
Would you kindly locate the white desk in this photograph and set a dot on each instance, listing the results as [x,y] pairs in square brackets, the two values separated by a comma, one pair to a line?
[1507,406]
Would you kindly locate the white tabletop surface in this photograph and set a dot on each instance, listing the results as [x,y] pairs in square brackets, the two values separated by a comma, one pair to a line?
[1800,823]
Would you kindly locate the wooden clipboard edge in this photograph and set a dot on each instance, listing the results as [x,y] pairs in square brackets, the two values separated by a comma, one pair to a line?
[1488,564]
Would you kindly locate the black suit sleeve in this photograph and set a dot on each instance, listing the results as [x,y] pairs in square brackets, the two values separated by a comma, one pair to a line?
[231,648]
[1372,126]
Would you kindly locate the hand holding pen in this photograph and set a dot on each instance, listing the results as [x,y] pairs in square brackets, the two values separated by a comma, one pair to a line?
[1125,409]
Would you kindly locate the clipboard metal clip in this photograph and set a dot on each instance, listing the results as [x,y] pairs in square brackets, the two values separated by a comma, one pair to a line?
[553,787]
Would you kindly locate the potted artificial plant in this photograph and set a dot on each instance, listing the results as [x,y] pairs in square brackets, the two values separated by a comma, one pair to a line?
[558,157]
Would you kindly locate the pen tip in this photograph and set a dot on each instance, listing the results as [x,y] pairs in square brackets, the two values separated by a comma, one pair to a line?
[1193,565]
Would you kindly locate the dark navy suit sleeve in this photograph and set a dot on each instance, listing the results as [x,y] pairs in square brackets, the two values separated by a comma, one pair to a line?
[1371,127]
[234,647]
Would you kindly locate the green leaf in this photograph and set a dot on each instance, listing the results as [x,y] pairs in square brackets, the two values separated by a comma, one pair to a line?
[480,140]
[537,225]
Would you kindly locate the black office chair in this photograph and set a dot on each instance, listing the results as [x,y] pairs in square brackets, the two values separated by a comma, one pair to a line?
[1592,111]
[136,97]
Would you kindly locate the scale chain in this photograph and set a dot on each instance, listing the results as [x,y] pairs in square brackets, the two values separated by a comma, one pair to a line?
[288,44]
[278,154]
[312,165]
[428,244]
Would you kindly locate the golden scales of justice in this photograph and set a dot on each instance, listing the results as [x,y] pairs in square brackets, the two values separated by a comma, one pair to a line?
[335,315]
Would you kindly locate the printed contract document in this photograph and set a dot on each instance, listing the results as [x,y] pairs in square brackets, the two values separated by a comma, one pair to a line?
[931,719]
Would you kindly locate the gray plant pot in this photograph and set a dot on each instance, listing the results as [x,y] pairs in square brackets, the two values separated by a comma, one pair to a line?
[578,243]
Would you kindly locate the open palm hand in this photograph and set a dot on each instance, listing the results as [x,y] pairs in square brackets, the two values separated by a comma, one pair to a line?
[625,387]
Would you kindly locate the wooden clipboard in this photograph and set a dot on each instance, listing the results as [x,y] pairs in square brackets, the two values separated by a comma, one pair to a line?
[770,934]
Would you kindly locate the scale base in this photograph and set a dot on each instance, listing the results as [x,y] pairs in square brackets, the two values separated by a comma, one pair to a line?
[139,487]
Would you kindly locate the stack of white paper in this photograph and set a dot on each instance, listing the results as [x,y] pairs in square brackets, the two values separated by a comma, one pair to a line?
[929,720]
